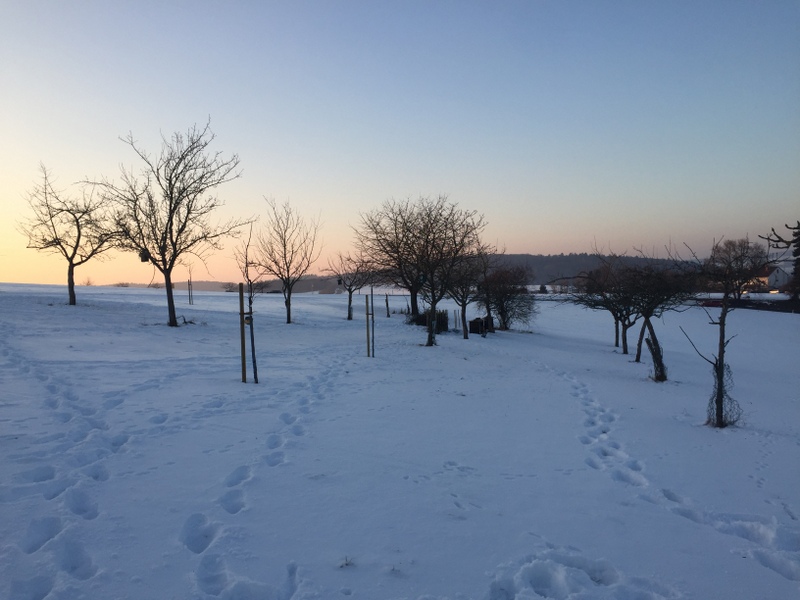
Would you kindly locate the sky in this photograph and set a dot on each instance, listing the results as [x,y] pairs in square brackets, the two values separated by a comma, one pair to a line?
[569,125]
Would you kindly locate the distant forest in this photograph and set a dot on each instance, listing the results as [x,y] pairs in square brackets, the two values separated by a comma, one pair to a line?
[547,268]
[544,269]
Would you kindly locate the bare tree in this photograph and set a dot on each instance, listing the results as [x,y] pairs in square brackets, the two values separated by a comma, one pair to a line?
[607,288]
[352,273]
[418,246]
[244,254]
[163,211]
[77,228]
[505,293]
[287,247]
[465,287]
[657,289]
[732,265]
[386,237]
[444,238]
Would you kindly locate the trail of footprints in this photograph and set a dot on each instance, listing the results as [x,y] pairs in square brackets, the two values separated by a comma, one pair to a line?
[71,458]
[777,546]
[199,532]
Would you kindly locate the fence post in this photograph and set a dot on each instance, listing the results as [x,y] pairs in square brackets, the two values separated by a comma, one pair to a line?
[241,332]
[367,320]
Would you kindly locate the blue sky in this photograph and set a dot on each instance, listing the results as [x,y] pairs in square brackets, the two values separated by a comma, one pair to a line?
[568,124]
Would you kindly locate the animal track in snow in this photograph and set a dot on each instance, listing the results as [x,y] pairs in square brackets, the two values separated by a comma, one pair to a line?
[451,465]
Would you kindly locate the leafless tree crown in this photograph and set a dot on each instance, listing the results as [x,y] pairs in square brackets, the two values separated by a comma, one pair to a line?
[163,211]
[77,228]
[288,245]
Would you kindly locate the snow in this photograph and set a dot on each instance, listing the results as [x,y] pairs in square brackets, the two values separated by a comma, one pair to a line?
[527,464]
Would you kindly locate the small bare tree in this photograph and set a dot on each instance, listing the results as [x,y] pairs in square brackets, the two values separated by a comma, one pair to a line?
[244,255]
[163,212]
[505,293]
[657,289]
[352,273]
[287,247]
[251,274]
[732,265]
[77,228]
[466,285]
[607,288]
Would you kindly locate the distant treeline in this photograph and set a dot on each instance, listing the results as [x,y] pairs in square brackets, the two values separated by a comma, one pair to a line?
[544,268]
[548,268]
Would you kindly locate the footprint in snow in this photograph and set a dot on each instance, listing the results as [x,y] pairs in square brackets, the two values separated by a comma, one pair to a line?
[36,587]
[198,533]
[273,459]
[239,475]
[274,441]
[40,531]
[212,574]
[79,502]
[72,558]
[36,475]
[232,501]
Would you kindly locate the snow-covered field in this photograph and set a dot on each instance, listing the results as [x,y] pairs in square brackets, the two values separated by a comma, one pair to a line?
[537,464]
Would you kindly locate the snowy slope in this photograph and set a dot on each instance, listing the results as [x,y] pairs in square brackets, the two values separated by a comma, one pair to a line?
[539,464]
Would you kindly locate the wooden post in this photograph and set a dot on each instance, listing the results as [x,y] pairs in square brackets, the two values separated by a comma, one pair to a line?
[367,319]
[241,332]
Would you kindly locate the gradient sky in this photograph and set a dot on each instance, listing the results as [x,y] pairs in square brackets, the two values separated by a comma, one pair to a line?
[569,124]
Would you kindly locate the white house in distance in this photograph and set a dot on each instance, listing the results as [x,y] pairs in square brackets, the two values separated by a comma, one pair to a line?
[773,278]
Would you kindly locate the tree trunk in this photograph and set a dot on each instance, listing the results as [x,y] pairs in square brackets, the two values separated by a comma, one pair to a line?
[71,284]
[431,325]
[639,342]
[288,302]
[719,369]
[616,332]
[625,327]
[173,318]
[414,294]
[464,326]
[349,305]
[659,368]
